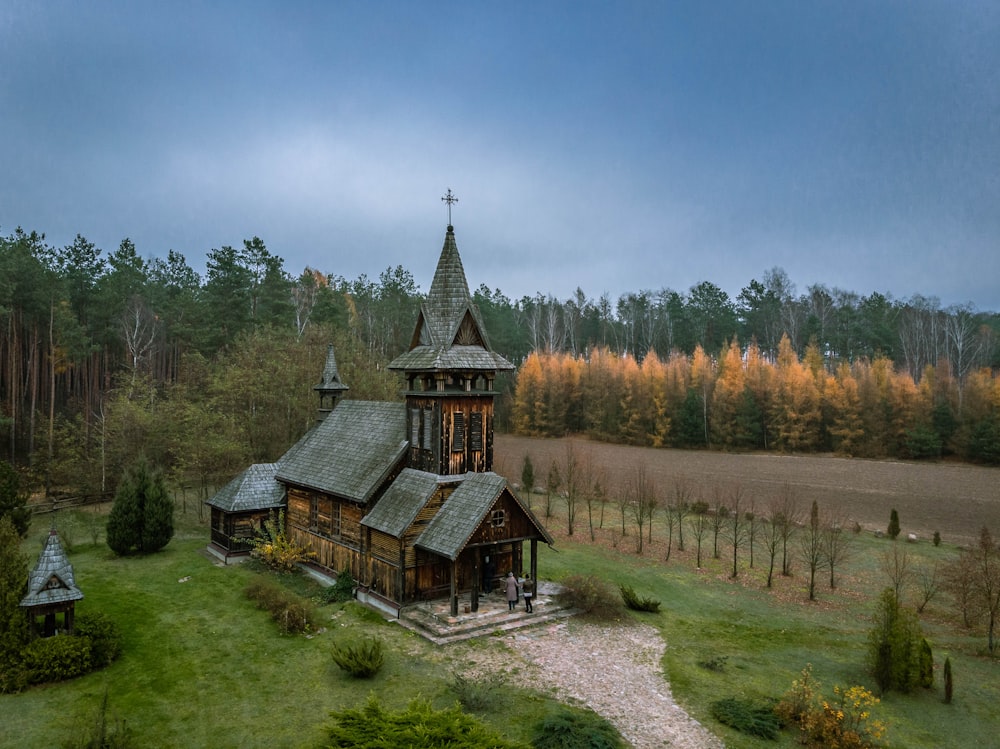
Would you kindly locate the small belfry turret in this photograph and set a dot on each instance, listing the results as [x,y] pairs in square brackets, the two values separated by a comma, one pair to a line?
[450,372]
[330,387]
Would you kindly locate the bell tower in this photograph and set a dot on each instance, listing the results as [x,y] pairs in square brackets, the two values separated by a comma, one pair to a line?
[450,371]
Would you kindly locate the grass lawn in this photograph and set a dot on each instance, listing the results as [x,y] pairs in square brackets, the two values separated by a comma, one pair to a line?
[202,667]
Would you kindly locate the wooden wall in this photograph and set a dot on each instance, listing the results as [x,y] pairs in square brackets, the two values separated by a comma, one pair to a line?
[461,436]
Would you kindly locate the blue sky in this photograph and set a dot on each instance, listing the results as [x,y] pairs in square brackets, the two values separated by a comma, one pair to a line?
[610,146]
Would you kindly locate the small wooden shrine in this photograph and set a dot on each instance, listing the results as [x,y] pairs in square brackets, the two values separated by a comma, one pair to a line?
[51,589]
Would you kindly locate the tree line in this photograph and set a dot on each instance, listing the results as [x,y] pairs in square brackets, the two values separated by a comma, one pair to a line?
[86,336]
[744,400]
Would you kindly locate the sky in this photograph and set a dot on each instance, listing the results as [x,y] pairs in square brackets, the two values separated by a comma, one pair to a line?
[607,146]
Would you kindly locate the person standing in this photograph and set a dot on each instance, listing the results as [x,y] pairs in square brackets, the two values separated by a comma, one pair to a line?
[528,589]
[510,586]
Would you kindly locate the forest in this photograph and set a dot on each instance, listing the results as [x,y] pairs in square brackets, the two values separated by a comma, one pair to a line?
[104,356]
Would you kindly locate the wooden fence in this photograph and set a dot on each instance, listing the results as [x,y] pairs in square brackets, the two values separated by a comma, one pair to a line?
[52,504]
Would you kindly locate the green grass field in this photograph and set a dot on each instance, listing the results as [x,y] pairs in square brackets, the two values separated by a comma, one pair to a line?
[203,668]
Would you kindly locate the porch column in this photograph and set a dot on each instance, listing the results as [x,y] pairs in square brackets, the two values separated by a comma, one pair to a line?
[534,560]
[475,579]
[454,588]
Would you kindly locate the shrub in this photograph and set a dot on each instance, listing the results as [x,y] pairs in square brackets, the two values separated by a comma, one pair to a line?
[342,590]
[893,530]
[747,717]
[417,727]
[846,722]
[716,663]
[479,693]
[894,646]
[56,658]
[275,548]
[634,602]
[568,728]
[948,683]
[937,538]
[292,614]
[590,595]
[105,639]
[362,659]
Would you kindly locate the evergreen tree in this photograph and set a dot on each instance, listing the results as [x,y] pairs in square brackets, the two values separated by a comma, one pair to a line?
[142,516]
[897,657]
[13,500]
[893,530]
[13,624]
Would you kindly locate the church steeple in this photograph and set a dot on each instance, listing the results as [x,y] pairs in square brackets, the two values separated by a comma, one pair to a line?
[330,387]
[450,371]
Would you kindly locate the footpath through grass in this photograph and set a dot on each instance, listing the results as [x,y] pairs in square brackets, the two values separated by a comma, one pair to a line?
[729,638]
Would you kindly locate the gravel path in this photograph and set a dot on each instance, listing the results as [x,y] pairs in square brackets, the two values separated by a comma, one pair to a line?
[615,671]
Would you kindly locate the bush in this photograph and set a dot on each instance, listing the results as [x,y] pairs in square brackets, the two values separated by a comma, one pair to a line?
[275,548]
[57,658]
[417,727]
[341,591]
[634,602]
[479,693]
[292,614]
[569,728]
[895,651]
[591,595]
[747,717]
[847,721]
[362,659]
[105,639]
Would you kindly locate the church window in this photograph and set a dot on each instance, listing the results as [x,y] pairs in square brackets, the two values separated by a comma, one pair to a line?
[476,431]
[428,427]
[498,518]
[458,432]
[414,427]
[334,530]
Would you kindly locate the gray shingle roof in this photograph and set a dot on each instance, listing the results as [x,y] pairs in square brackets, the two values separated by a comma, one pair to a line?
[254,489]
[351,452]
[399,506]
[447,310]
[51,581]
[450,530]
[330,381]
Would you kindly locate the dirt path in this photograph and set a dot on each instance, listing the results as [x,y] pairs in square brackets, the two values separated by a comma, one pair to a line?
[955,499]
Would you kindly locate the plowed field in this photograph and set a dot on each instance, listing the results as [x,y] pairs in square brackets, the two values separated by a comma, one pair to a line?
[955,499]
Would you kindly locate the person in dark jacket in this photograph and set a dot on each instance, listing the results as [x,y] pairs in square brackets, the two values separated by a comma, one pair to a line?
[510,586]
[528,590]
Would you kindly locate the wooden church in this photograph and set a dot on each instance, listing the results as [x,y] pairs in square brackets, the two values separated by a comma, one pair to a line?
[402,495]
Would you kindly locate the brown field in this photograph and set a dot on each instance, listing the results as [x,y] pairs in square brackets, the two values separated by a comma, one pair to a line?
[954,499]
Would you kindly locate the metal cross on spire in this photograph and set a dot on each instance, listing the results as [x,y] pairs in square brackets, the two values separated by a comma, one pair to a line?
[449,199]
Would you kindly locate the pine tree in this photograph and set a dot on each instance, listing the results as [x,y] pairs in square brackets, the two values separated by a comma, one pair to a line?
[893,529]
[13,500]
[142,516]
[13,624]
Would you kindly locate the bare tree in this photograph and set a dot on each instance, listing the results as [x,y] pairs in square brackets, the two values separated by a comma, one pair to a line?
[553,485]
[700,522]
[929,582]
[736,525]
[895,563]
[575,484]
[594,494]
[771,533]
[987,583]
[681,506]
[786,516]
[811,546]
[960,582]
[643,502]
[836,546]
[719,512]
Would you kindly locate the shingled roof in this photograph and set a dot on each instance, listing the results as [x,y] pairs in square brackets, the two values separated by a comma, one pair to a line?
[330,381]
[399,506]
[254,489]
[52,579]
[351,453]
[450,333]
[448,532]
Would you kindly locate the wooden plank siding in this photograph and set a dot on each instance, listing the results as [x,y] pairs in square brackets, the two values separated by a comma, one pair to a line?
[452,435]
